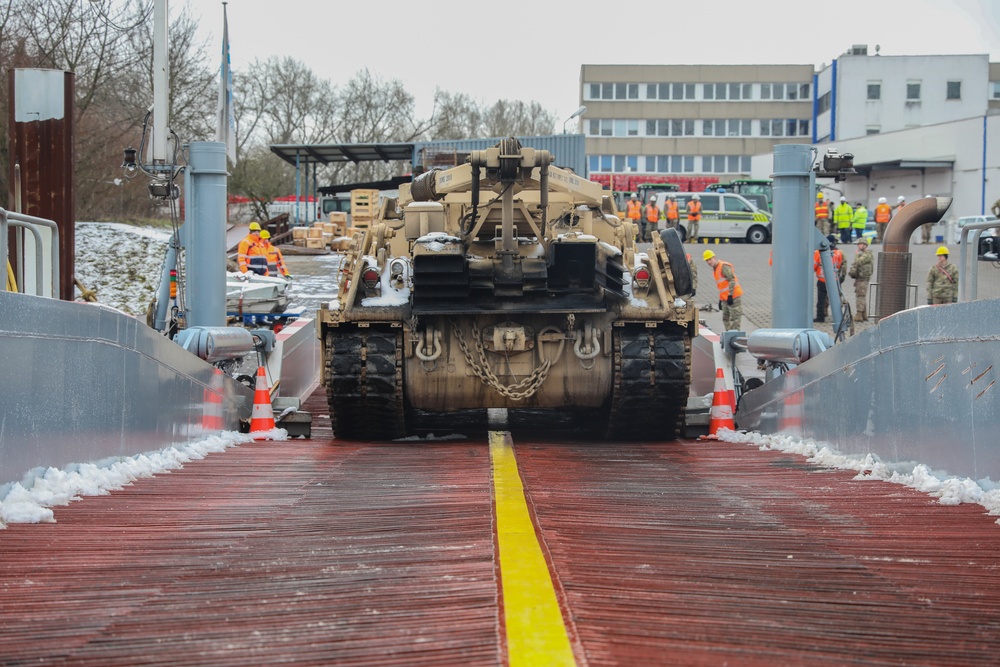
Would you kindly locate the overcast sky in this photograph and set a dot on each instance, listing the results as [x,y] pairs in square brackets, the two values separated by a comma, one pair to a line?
[533,50]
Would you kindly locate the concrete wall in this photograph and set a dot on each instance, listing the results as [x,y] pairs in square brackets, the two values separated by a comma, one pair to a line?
[82,383]
[919,387]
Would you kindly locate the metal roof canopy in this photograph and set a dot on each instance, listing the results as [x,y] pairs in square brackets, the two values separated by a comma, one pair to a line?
[328,153]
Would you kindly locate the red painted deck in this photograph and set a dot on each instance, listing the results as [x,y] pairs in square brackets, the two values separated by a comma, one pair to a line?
[317,552]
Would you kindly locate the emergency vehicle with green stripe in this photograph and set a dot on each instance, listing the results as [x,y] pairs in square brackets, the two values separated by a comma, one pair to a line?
[726,216]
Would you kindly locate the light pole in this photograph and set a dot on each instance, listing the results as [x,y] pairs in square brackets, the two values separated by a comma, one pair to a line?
[576,113]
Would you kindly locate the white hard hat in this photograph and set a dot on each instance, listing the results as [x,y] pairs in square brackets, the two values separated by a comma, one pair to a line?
[673,196]
[634,196]
[652,199]
[881,200]
[696,197]
[843,199]
[901,198]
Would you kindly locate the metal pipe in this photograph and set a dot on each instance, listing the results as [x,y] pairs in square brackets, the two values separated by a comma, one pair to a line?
[912,216]
[969,237]
[39,273]
[895,257]
[793,218]
[161,82]
[206,251]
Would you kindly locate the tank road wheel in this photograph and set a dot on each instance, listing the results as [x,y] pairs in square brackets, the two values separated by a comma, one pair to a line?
[652,375]
[678,261]
[364,384]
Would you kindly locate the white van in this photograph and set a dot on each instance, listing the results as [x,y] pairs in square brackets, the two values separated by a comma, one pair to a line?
[726,216]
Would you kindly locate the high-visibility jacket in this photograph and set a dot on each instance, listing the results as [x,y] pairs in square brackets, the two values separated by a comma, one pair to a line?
[242,251]
[652,213]
[275,260]
[257,259]
[633,209]
[842,215]
[723,282]
[671,210]
[882,213]
[838,261]
[694,210]
[822,210]
[860,217]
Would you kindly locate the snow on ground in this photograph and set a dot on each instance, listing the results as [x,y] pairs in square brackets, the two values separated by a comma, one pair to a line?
[121,262]
[32,500]
[948,490]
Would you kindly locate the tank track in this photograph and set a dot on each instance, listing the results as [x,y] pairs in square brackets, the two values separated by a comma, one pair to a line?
[364,384]
[651,383]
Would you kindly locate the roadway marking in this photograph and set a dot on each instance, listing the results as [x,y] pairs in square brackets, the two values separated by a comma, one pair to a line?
[536,632]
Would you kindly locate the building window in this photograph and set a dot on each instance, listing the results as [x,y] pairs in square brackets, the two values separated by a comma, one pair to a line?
[995,90]
[804,91]
[709,91]
[745,164]
[804,128]
[954,90]
[823,104]
[778,91]
[765,91]
[872,130]
[913,91]
[706,127]
[874,91]
[733,166]
[682,128]
[599,127]
[626,128]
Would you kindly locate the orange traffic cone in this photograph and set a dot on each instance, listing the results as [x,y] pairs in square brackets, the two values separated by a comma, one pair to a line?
[262,417]
[212,418]
[721,414]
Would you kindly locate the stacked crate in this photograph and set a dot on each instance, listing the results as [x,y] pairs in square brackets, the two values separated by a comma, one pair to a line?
[339,239]
[299,236]
[364,206]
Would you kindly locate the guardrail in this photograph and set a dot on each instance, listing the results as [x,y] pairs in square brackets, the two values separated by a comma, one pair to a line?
[31,223]
[969,278]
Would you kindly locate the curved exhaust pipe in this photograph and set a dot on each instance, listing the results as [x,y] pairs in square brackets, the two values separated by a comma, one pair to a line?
[895,258]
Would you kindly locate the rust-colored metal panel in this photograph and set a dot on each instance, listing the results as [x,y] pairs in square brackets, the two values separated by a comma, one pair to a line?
[41,136]
[322,552]
[705,553]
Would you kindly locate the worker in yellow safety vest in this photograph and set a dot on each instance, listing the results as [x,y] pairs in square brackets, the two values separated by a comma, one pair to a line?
[842,217]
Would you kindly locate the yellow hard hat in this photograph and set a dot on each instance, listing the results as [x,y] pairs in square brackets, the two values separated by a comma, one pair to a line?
[254,227]
[819,195]
[707,255]
[265,234]
[942,251]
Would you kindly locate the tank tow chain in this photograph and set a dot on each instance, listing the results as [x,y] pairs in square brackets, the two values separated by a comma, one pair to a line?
[651,384]
[518,391]
[364,384]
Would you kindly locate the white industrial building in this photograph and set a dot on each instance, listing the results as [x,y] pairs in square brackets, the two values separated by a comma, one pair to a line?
[917,125]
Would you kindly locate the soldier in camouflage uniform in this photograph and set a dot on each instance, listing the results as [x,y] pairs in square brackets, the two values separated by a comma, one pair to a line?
[730,292]
[861,271]
[942,280]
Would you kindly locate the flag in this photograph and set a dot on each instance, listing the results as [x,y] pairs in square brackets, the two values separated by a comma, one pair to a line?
[225,130]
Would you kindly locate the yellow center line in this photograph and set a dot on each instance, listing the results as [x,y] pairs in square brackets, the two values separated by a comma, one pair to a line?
[536,633]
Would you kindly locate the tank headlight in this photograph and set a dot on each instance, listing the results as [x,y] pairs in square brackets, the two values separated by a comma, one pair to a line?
[641,277]
[371,277]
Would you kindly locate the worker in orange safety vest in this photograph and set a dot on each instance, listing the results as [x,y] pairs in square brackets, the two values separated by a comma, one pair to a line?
[822,299]
[633,211]
[249,248]
[822,214]
[730,292]
[670,212]
[650,220]
[275,260]
[882,216]
[694,218]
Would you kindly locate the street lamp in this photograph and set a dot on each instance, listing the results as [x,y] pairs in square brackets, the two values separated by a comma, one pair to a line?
[576,113]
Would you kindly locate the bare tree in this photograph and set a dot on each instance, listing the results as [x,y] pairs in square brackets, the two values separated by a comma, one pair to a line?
[508,118]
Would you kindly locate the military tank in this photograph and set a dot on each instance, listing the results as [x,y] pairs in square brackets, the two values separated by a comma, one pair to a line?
[508,282]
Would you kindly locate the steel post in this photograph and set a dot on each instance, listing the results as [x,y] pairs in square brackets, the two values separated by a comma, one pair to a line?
[791,298]
[206,238]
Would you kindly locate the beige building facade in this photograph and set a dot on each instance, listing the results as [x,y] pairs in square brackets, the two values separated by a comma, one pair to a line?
[692,121]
